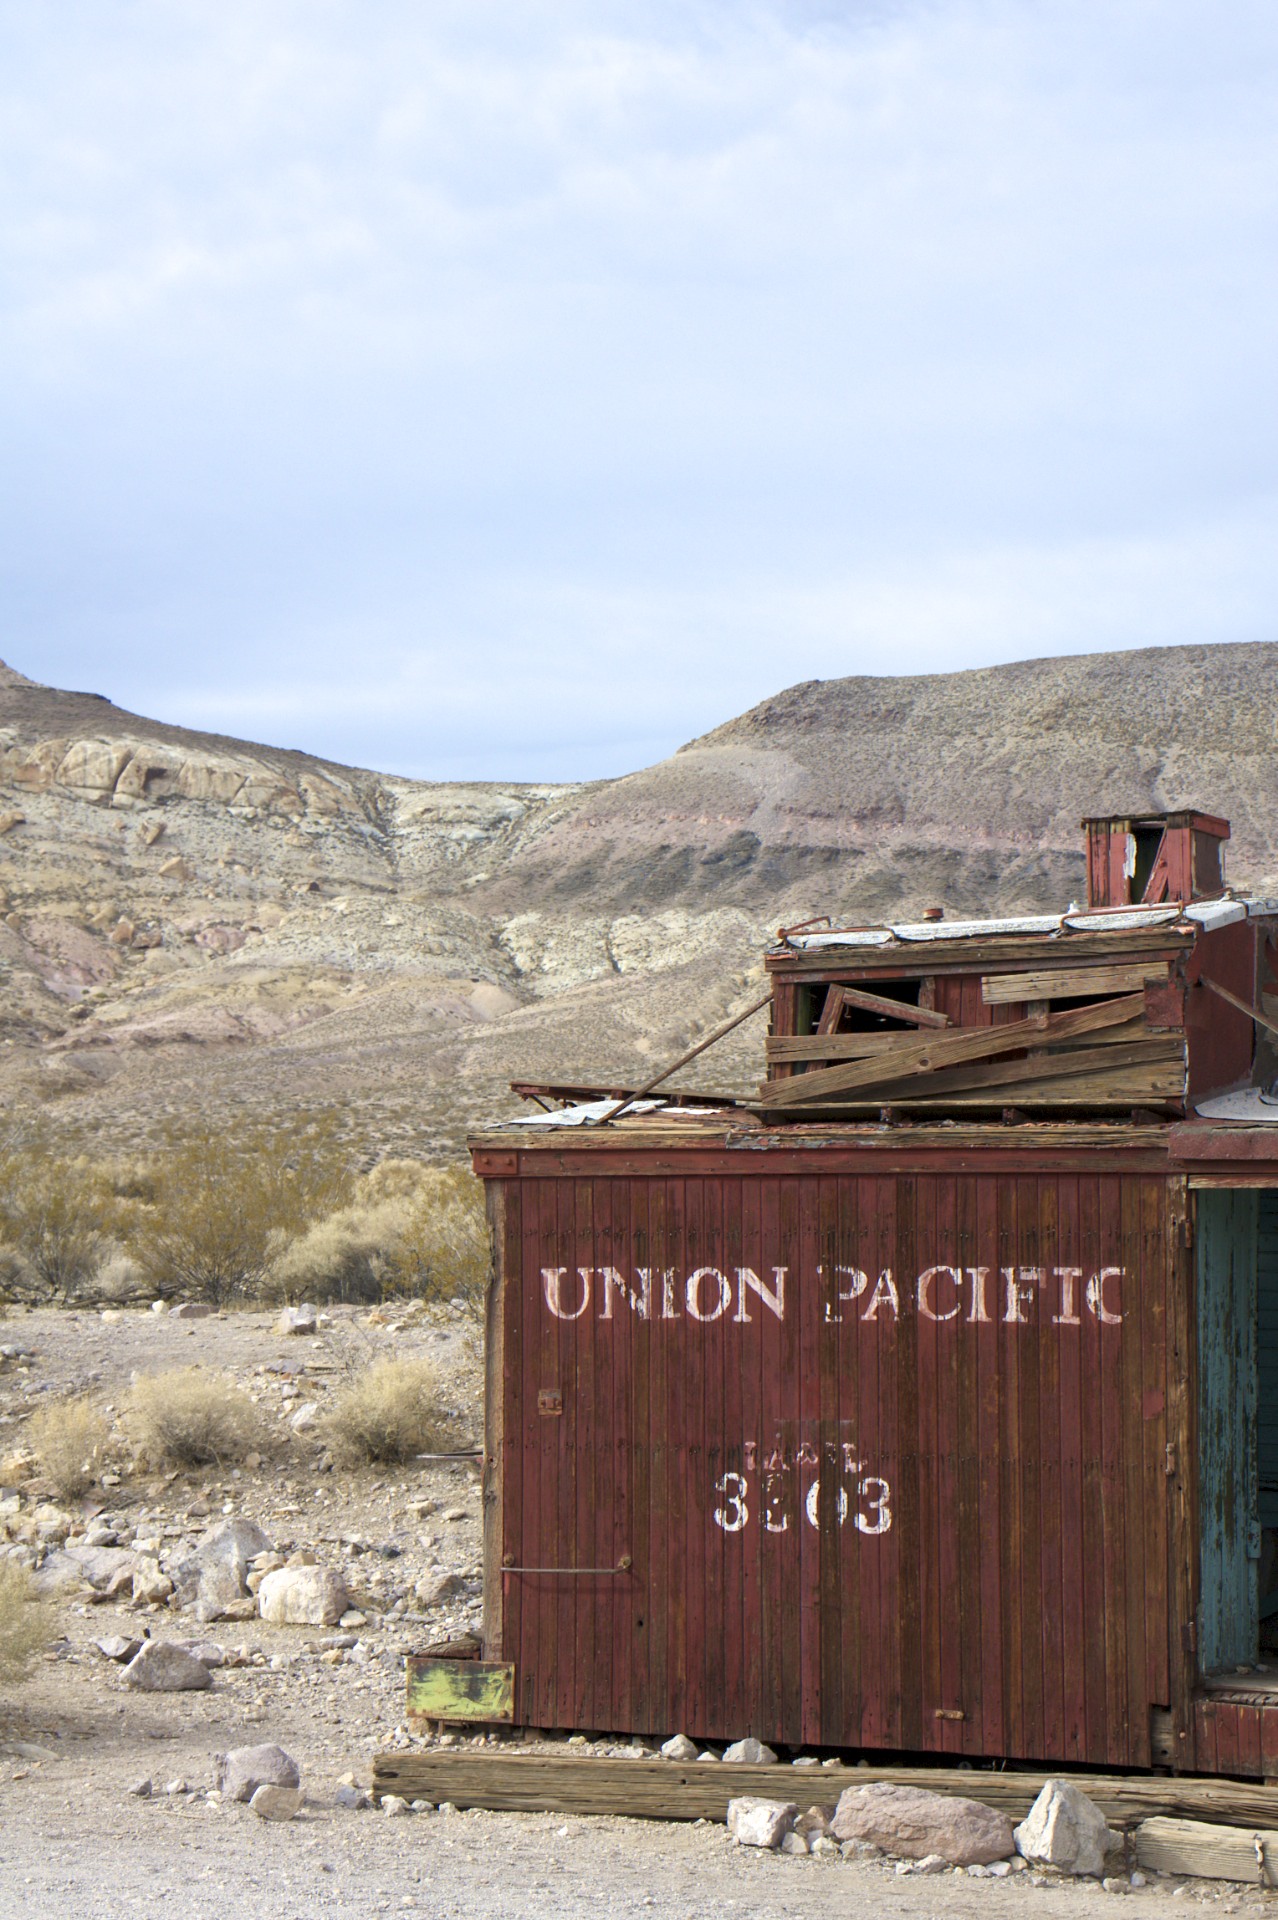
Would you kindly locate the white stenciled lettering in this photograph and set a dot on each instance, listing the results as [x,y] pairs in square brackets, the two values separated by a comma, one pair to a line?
[812,1505]
[552,1280]
[775,1519]
[749,1282]
[884,1295]
[693,1293]
[1096,1295]
[926,1278]
[1019,1284]
[850,1283]
[879,1518]
[611,1282]
[977,1276]
[1069,1278]
[734,1513]
[669,1311]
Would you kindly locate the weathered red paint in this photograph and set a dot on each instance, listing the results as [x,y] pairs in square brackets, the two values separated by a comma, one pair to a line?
[996,1443]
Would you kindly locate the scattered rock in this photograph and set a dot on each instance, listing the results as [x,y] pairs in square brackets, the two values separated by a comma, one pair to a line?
[191,1310]
[216,1574]
[794,1843]
[913,1822]
[162,1667]
[306,1417]
[301,1319]
[150,1586]
[680,1748]
[242,1770]
[118,1646]
[932,1863]
[824,1847]
[760,1823]
[435,1588]
[302,1597]
[393,1804]
[355,1799]
[277,1803]
[750,1752]
[1064,1829]
[141,1789]
[866,1850]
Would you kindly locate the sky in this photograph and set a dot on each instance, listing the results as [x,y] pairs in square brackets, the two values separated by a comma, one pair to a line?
[516,391]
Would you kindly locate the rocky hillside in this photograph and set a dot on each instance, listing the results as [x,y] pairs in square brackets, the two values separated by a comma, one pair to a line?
[193,924]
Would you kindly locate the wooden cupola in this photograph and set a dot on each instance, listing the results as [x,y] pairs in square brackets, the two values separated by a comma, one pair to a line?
[1144,859]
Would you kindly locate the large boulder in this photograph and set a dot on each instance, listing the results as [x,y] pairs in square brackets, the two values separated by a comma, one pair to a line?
[217,1570]
[302,1597]
[242,1770]
[760,1823]
[162,1667]
[911,1822]
[1064,1829]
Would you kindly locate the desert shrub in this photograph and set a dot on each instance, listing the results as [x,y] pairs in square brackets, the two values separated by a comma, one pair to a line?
[193,1418]
[54,1216]
[120,1277]
[69,1439]
[25,1621]
[386,1414]
[409,1229]
[224,1200]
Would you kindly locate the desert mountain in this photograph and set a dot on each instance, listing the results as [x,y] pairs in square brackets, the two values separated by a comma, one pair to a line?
[195,925]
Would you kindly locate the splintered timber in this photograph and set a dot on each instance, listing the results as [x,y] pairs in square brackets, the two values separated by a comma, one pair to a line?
[1057,1296]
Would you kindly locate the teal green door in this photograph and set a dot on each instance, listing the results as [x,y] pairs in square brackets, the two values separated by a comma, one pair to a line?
[1229,1519]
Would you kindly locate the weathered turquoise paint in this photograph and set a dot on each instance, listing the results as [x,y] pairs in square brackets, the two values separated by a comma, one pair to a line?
[1228,1491]
[1267,1358]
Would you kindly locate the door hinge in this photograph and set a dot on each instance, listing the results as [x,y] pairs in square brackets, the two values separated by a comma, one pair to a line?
[1189,1637]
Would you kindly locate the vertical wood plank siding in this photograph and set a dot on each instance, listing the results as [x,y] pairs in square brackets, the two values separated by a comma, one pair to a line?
[859,1521]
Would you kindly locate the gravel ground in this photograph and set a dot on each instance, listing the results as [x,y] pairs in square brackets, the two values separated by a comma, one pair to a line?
[74,1843]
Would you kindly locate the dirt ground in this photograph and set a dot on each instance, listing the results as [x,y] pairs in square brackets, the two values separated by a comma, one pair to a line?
[74,1841]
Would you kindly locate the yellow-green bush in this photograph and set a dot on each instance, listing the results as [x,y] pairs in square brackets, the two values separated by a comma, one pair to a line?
[386,1414]
[193,1418]
[69,1439]
[408,1229]
[25,1621]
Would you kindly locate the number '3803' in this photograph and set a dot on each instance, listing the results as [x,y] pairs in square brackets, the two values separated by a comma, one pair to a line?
[775,1502]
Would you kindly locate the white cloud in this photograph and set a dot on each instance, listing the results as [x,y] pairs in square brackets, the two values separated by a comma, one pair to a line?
[551,382]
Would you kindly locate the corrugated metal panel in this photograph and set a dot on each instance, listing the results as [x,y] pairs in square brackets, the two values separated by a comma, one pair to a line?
[886,1455]
[1228,1518]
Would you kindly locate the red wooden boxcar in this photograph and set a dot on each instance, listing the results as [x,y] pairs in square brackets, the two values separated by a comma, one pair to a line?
[890,1418]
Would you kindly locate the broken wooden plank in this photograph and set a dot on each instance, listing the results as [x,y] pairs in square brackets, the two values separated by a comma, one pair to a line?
[988,953]
[881,1003]
[1039,1068]
[672,1790]
[1068,983]
[833,1046]
[953,1049]
[1210,1851]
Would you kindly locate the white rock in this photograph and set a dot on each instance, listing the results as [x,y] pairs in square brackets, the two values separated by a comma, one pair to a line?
[679,1747]
[141,1789]
[794,1843]
[242,1770]
[149,1584]
[760,1823]
[395,1805]
[297,1319]
[161,1667]
[750,1752]
[192,1310]
[824,1847]
[302,1597]
[306,1417]
[276,1803]
[118,1646]
[1064,1829]
[933,1863]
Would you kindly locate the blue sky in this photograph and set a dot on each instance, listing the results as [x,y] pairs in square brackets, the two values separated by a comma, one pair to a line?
[515,391]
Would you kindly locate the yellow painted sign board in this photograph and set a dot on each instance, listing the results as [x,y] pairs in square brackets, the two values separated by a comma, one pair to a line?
[478,1690]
